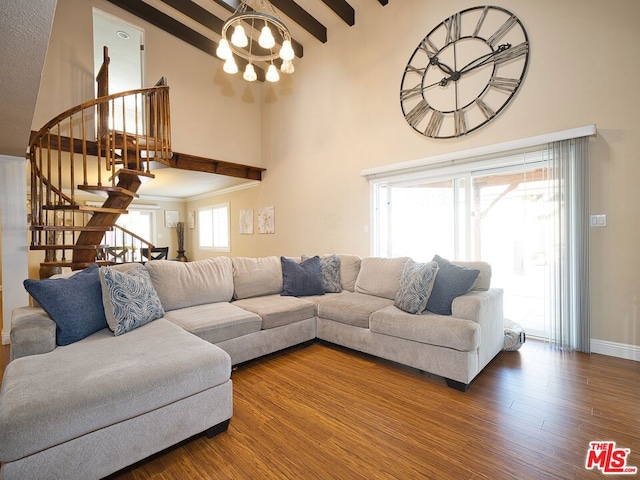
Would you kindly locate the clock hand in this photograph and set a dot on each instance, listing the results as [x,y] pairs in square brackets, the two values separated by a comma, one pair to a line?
[443,83]
[484,59]
[442,66]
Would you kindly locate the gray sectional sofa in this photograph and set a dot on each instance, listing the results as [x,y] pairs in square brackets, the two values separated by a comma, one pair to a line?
[103,402]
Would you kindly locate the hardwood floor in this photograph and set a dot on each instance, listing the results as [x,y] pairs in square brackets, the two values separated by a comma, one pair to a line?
[323,412]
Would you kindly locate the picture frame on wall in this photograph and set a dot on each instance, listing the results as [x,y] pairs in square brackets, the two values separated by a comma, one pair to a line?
[266,220]
[246,222]
[171,218]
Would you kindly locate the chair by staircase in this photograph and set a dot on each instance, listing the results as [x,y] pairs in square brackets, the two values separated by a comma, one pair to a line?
[155,253]
[80,150]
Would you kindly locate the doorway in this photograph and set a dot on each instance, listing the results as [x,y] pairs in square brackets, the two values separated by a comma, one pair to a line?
[126,67]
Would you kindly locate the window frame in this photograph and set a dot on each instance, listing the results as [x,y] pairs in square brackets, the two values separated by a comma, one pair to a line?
[220,247]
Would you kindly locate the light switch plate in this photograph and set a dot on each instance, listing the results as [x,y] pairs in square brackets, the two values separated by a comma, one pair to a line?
[598,220]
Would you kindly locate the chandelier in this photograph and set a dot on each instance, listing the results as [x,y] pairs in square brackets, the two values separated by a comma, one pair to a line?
[250,16]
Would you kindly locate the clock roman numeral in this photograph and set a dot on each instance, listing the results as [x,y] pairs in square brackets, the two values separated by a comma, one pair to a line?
[435,121]
[417,113]
[511,53]
[486,110]
[453,26]
[460,122]
[412,69]
[505,84]
[411,92]
[498,34]
[476,31]
[428,47]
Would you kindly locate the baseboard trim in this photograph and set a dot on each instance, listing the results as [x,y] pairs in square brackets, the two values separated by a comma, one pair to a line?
[613,349]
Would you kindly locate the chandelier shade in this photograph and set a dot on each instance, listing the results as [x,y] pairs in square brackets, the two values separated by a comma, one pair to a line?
[256,19]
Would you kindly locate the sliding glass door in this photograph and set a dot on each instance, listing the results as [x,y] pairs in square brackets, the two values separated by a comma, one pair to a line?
[509,223]
[497,213]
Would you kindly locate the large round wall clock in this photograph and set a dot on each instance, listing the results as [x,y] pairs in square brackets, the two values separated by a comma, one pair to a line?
[464,72]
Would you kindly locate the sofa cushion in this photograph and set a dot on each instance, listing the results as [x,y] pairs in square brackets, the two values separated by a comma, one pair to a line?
[186,284]
[349,270]
[100,381]
[302,278]
[74,303]
[216,322]
[416,283]
[380,276]
[330,273]
[253,277]
[351,308]
[444,331]
[276,310]
[451,282]
[129,298]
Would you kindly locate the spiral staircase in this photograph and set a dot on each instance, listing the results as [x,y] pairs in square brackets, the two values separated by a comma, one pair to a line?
[104,147]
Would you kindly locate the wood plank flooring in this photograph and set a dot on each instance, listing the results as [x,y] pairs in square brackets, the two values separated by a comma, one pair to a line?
[323,412]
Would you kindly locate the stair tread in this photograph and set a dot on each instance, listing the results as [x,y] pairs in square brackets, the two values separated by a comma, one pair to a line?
[142,175]
[84,208]
[107,190]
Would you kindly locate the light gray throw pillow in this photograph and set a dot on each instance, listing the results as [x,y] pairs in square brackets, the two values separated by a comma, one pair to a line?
[416,284]
[129,299]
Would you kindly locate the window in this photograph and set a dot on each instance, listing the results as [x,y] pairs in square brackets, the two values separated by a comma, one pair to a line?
[524,212]
[213,228]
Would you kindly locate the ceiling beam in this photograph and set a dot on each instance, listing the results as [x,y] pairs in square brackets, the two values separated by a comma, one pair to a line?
[303,18]
[175,28]
[197,13]
[194,163]
[343,10]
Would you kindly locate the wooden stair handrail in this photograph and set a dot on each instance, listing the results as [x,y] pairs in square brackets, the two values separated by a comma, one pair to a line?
[88,104]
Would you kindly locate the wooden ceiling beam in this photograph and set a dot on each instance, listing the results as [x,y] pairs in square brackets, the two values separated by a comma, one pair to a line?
[197,13]
[194,163]
[303,18]
[343,10]
[174,27]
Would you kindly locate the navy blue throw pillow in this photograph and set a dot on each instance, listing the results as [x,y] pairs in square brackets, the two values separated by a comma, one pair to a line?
[74,303]
[301,279]
[451,282]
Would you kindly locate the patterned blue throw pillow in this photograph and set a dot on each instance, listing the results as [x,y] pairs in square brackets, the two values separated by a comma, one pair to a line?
[416,283]
[129,298]
[73,303]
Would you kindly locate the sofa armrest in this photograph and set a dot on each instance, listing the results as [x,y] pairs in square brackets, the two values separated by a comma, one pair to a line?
[32,332]
[477,304]
[485,308]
